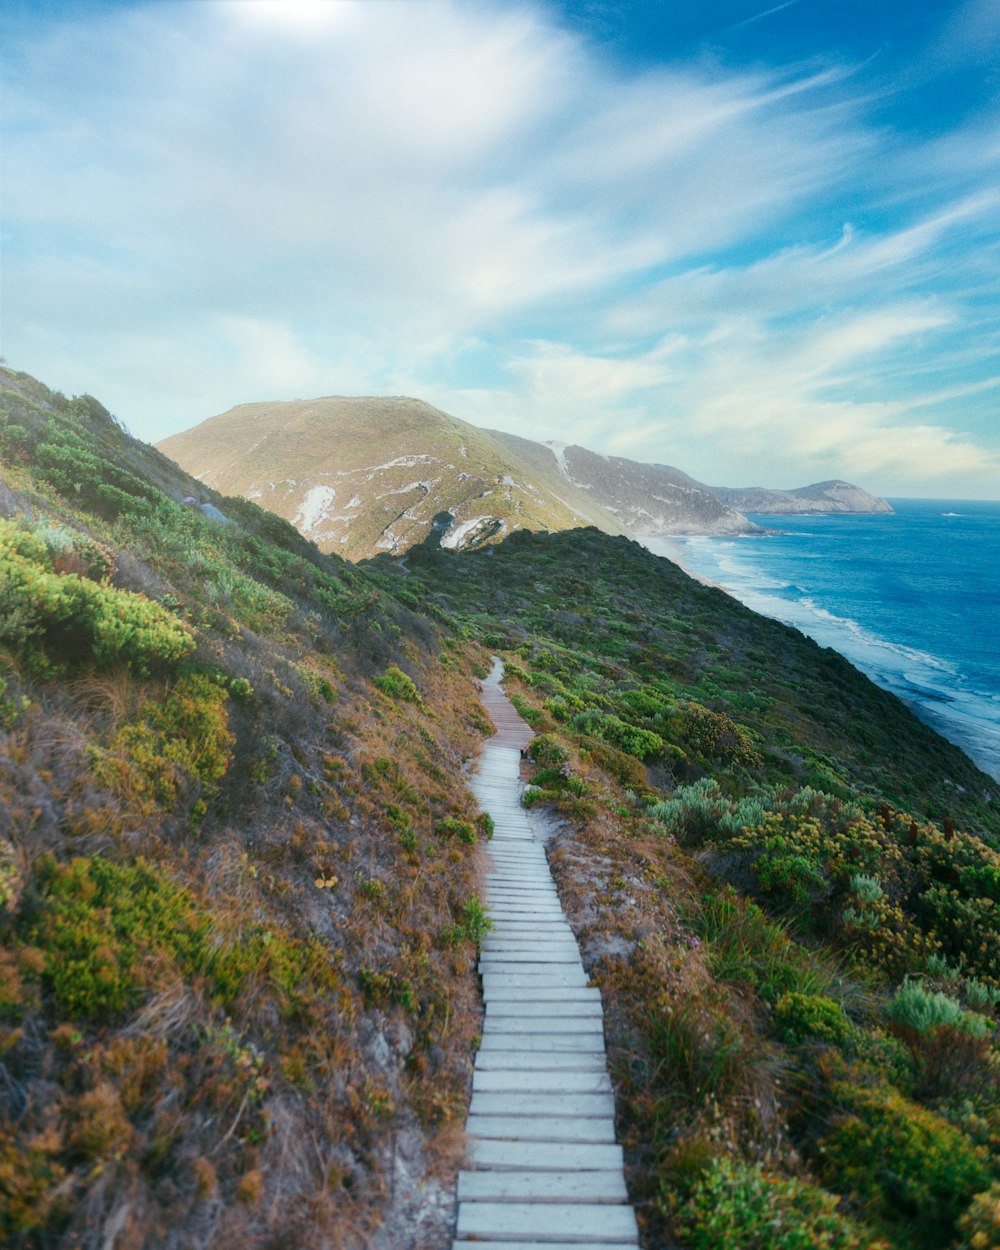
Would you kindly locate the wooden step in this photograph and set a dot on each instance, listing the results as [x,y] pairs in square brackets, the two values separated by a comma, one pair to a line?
[520,1156]
[559,1104]
[534,1186]
[550,1128]
[490,1080]
[586,1223]
[544,1171]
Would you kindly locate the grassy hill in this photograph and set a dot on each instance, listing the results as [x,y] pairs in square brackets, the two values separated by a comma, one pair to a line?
[238,864]
[361,476]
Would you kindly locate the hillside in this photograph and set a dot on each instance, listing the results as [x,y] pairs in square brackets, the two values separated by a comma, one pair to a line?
[239,860]
[819,498]
[360,476]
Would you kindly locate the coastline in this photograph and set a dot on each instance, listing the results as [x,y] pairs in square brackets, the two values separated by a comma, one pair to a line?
[929,686]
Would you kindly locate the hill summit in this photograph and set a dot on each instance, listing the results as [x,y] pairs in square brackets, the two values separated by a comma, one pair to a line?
[361,476]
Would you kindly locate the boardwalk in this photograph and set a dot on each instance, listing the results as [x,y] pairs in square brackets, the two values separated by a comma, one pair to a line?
[544,1169]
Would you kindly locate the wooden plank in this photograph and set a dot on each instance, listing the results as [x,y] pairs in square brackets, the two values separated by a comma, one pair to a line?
[528,976]
[545,1042]
[531,957]
[548,1128]
[554,1081]
[550,994]
[543,1024]
[507,1102]
[542,1245]
[563,950]
[540,1157]
[588,1223]
[526,1011]
[541,1061]
[533,1186]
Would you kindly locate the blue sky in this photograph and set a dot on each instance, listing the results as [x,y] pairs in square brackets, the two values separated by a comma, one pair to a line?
[757,241]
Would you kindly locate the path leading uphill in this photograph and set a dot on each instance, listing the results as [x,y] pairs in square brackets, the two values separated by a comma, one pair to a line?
[543,1167]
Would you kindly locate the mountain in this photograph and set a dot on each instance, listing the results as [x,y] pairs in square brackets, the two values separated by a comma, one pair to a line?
[239,864]
[364,475]
[832,496]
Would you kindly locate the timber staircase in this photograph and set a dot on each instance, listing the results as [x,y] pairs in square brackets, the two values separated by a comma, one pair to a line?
[544,1172]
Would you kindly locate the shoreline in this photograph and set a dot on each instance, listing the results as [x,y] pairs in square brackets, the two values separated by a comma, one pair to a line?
[927,710]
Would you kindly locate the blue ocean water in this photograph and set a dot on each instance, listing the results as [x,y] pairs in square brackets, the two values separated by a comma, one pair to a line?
[912,599]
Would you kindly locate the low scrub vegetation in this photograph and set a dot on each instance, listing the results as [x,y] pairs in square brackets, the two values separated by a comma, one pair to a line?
[785,888]
[239,881]
[238,909]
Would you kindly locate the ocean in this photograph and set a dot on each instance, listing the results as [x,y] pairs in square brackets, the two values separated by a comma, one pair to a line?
[912,599]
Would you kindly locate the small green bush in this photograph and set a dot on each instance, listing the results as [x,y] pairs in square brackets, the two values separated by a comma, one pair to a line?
[395,683]
[182,738]
[980,996]
[472,924]
[979,1227]
[912,1168]
[82,615]
[98,919]
[865,888]
[738,1206]
[884,1056]
[452,827]
[547,750]
[714,735]
[799,1017]
[921,1009]
[641,743]
[692,813]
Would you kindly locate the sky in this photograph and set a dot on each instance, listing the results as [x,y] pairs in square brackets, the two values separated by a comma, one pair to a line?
[758,241]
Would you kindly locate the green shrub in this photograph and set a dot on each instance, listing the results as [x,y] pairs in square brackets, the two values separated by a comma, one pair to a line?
[395,683]
[472,924]
[452,827]
[909,1166]
[921,1009]
[641,743]
[979,996]
[789,876]
[547,750]
[692,813]
[884,1056]
[866,889]
[82,615]
[97,921]
[387,987]
[181,738]
[979,1227]
[798,1017]
[738,1206]
[714,735]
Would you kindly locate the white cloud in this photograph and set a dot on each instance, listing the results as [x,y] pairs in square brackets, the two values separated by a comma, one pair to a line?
[213,201]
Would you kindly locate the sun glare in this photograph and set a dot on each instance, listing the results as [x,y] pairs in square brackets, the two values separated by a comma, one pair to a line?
[297,14]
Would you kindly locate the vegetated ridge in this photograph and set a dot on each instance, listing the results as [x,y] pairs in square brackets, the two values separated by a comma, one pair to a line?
[834,496]
[364,475]
[238,856]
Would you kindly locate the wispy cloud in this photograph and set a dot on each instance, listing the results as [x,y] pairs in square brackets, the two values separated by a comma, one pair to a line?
[233,199]
[759,17]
